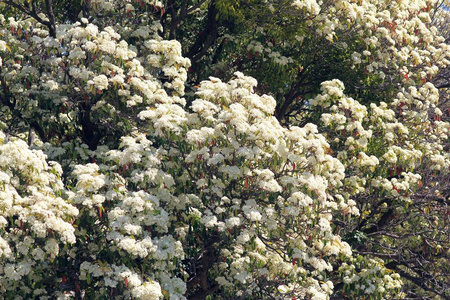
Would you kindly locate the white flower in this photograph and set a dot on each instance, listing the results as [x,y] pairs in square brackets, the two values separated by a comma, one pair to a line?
[300,199]
[267,182]
[5,250]
[232,222]
[77,53]
[367,161]
[88,177]
[52,247]
[91,29]
[51,85]
[4,177]
[390,156]
[209,221]
[243,238]
[283,289]
[253,214]
[3,45]
[243,277]
[222,281]
[150,290]
[117,79]
[100,82]
[311,6]
[216,159]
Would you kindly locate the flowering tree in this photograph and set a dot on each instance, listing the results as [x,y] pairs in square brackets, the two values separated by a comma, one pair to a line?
[145,177]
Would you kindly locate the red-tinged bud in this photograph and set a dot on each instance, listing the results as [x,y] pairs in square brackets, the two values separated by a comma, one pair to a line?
[405,76]
[126,282]
[63,279]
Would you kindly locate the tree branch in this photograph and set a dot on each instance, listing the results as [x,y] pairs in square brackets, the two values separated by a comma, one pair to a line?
[207,37]
[34,13]
[51,24]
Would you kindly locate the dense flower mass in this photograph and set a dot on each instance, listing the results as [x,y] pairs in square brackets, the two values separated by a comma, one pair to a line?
[128,172]
[36,220]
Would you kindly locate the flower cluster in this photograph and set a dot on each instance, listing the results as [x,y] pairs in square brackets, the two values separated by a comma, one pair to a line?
[36,221]
[384,149]
[283,181]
